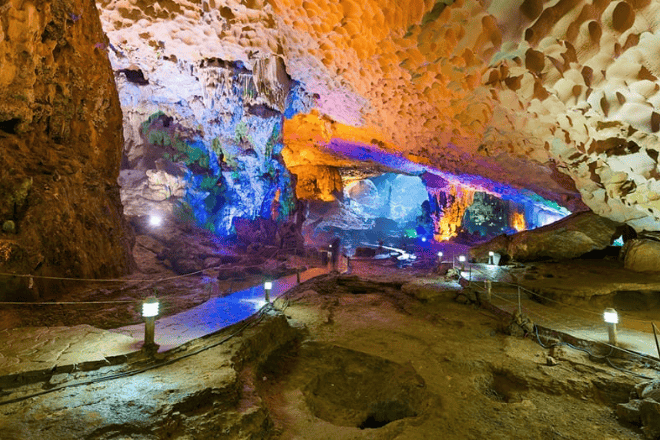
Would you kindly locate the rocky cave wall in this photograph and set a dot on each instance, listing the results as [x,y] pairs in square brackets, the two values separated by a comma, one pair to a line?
[208,150]
[60,148]
[528,93]
[525,92]
[389,206]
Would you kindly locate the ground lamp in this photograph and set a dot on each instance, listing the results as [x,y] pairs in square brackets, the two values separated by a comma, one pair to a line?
[149,312]
[491,254]
[268,285]
[461,259]
[155,220]
[612,319]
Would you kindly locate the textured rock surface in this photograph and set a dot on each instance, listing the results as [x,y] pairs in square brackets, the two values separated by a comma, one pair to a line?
[545,96]
[642,255]
[649,411]
[568,238]
[318,182]
[60,147]
[203,133]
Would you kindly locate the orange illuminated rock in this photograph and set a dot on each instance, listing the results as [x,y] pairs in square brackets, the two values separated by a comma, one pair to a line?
[512,91]
[60,149]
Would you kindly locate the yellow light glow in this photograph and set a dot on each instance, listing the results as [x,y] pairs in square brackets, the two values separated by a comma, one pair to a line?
[518,221]
[449,221]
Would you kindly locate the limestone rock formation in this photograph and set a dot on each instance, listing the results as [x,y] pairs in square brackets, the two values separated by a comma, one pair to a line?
[642,255]
[60,148]
[568,238]
[205,128]
[558,98]
[643,409]
[318,182]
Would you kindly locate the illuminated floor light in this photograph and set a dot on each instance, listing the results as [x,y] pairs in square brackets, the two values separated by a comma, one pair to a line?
[611,318]
[155,220]
[150,309]
[268,285]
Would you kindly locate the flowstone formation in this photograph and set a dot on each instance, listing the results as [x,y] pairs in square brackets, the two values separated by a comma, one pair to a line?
[60,148]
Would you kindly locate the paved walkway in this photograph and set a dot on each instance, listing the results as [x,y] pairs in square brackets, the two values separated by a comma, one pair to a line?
[213,315]
[29,350]
[577,321]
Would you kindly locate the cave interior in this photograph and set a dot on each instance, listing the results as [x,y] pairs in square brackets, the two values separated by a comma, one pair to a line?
[392,157]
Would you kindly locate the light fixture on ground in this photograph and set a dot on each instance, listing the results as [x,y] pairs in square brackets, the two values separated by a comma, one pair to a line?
[461,259]
[268,285]
[491,256]
[440,256]
[150,309]
[611,317]
[155,220]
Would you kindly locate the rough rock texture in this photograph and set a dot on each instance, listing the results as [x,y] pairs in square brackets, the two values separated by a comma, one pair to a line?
[559,98]
[203,133]
[60,147]
[568,238]
[317,182]
[643,408]
[642,255]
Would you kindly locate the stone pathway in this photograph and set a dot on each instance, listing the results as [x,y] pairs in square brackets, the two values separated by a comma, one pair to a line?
[574,320]
[213,315]
[28,350]
[40,349]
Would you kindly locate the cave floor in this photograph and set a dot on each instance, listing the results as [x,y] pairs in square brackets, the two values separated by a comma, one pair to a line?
[386,354]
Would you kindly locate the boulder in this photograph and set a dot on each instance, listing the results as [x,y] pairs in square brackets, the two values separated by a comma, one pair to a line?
[568,238]
[651,390]
[642,255]
[629,412]
[649,411]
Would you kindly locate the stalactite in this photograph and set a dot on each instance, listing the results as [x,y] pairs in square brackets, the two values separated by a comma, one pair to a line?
[450,219]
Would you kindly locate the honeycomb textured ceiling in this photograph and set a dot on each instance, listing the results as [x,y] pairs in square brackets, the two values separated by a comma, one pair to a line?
[560,97]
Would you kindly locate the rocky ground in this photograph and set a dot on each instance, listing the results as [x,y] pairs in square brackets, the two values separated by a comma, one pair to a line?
[183,267]
[348,357]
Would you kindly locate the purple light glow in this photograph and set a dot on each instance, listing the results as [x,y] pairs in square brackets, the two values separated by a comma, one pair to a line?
[437,179]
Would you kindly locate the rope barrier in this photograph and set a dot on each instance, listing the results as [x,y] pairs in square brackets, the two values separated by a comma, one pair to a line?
[118,280]
[515,304]
[556,301]
[247,322]
[63,303]
[107,280]
[606,357]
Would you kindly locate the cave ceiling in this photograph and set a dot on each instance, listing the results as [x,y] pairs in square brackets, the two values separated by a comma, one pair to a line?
[557,97]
